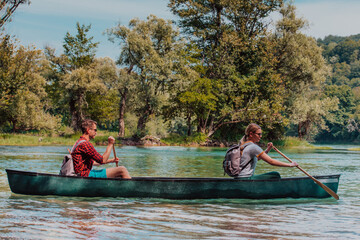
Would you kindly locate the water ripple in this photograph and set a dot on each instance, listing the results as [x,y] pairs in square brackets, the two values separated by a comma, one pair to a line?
[51,217]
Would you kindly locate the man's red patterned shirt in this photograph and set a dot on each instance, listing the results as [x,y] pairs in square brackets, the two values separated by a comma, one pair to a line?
[83,157]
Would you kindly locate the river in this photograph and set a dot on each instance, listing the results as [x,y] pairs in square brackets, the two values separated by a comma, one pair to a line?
[52,217]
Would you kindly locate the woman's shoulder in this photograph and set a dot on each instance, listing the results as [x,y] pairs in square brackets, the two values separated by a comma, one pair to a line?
[254,147]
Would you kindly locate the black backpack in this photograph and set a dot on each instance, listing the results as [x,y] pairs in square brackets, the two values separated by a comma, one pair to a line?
[231,163]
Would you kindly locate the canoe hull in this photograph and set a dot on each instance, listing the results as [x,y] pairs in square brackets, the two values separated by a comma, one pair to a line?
[32,183]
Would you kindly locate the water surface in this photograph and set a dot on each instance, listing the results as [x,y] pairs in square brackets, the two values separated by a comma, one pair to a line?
[52,217]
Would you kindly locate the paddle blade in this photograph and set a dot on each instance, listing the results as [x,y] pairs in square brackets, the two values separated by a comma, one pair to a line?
[328,190]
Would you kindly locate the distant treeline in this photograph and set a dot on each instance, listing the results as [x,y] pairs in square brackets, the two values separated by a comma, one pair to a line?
[342,54]
[217,69]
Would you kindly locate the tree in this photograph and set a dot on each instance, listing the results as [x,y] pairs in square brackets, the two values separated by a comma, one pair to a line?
[338,125]
[125,84]
[75,72]
[122,84]
[311,113]
[79,49]
[303,71]
[347,51]
[195,100]
[151,54]
[342,53]
[235,56]
[8,7]
[300,60]
[22,86]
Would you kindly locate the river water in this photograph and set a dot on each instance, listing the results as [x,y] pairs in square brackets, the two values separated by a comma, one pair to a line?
[52,217]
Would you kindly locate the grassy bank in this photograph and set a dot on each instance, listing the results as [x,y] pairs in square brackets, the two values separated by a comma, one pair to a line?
[200,139]
[32,140]
[101,139]
[293,142]
[175,140]
[43,140]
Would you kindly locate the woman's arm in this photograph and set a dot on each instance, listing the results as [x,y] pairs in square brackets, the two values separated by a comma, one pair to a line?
[274,162]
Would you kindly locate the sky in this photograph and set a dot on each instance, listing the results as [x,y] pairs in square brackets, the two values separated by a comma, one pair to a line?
[45,22]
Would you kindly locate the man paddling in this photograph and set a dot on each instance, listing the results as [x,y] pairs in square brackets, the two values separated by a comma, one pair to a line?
[85,156]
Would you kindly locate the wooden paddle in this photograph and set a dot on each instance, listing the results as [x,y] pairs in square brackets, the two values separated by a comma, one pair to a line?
[328,190]
[115,154]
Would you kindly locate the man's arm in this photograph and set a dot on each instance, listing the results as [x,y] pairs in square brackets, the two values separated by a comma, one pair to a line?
[106,155]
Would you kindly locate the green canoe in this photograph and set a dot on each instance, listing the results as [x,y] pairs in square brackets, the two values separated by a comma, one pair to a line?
[33,183]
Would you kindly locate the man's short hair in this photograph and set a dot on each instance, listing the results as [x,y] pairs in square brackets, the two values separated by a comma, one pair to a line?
[87,123]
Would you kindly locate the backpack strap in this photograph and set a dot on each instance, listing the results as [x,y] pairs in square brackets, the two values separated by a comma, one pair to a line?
[76,144]
[242,147]
[232,147]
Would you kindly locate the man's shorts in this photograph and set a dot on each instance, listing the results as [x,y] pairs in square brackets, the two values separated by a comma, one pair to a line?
[98,173]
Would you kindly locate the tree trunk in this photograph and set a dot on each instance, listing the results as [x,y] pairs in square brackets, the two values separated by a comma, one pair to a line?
[143,119]
[303,128]
[122,112]
[73,114]
[14,126]
[77,115]
[210,133]
[189,125]
[211,129]
[201,128]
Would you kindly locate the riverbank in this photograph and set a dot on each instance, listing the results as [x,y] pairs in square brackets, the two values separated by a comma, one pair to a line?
[101,139]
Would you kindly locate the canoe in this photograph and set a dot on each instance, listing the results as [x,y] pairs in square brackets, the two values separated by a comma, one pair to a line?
[33,183]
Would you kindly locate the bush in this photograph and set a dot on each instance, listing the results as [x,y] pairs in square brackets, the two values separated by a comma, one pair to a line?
[292,142]
[65,131]
[176,139]
[156,127]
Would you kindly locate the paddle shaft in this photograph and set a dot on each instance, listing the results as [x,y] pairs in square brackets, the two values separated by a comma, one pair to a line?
[328,190]
[115,154]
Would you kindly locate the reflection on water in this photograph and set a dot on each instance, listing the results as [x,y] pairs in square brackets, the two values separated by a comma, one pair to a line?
[52,217]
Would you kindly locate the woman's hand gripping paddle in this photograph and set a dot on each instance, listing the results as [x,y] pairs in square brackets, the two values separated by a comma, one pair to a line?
[328,190]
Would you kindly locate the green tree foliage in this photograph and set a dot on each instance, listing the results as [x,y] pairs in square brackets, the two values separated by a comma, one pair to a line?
[22,87]
[311,113]
[121,85]
[342,53]
[125,84]
[8,7]
[152,50]
[346,51]
[74,72]
[80,49]
[236,58]
[195,100]
[331,39]
[338,125]
[300,60]
[353,128]
[229,70]
[303,71]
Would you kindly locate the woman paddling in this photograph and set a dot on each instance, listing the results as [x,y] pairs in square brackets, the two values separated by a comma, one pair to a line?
[252,152]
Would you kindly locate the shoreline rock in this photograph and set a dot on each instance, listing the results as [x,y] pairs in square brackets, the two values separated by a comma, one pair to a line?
[149,141]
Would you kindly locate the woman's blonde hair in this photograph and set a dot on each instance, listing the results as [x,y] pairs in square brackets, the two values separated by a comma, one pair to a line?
[251,128]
